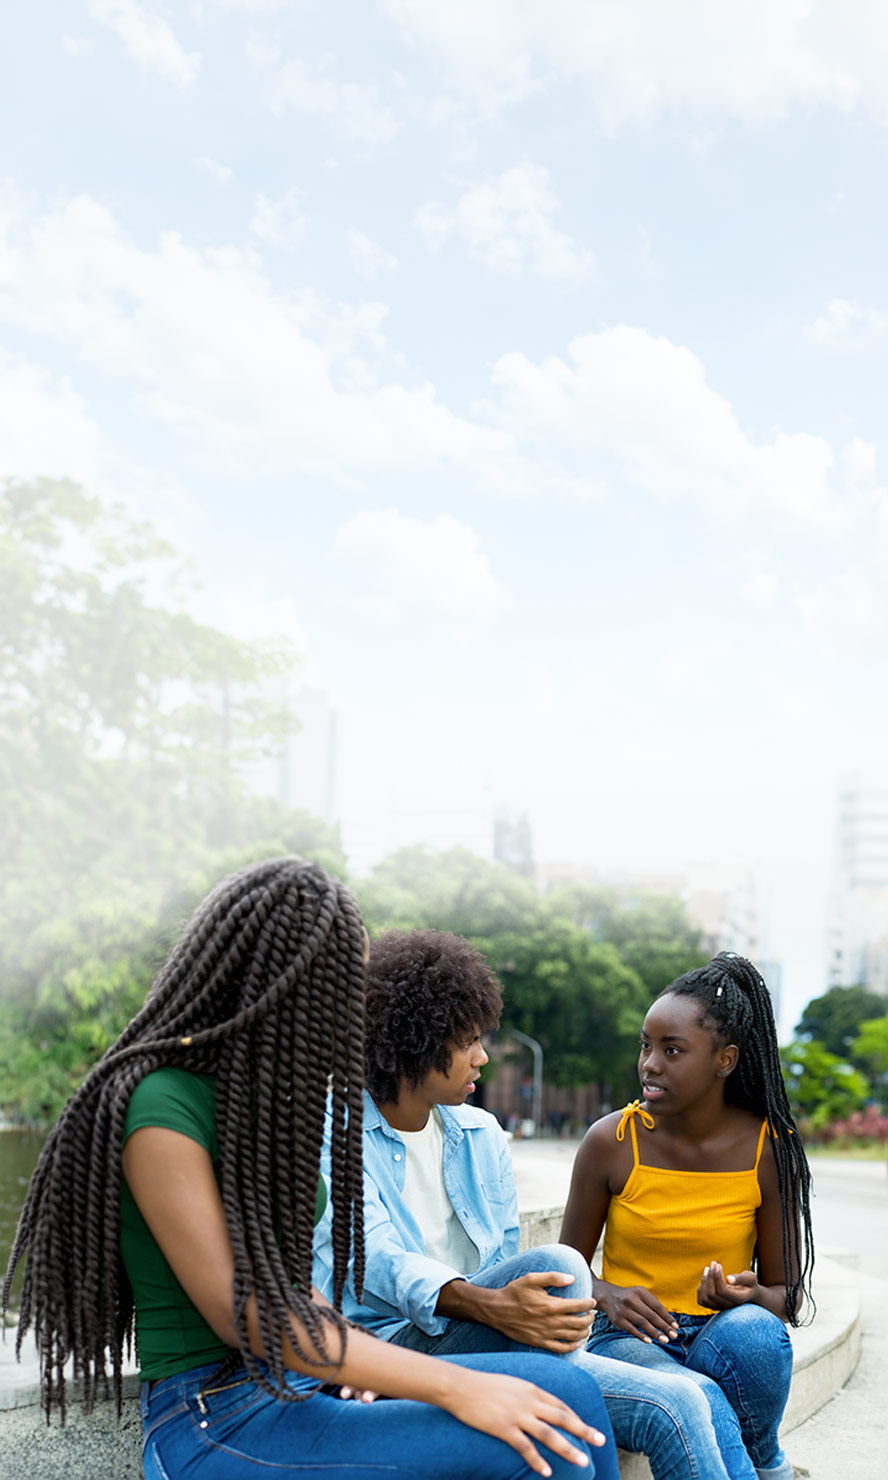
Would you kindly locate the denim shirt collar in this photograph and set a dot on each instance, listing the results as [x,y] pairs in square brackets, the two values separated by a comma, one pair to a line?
[454,1119]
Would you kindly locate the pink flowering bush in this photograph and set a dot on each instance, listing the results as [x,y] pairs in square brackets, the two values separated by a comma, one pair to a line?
[862,1127]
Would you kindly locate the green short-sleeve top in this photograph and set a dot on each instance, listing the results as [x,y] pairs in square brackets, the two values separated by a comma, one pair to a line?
[171,1334]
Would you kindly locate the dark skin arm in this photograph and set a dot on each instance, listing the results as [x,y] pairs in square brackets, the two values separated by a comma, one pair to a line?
[600,1170]
[523,1310]
[172,1180]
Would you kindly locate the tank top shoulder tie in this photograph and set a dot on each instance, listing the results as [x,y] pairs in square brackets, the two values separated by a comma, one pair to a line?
[666,1224]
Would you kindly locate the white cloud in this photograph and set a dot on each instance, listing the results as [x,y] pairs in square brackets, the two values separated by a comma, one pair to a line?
[288,382]
[253,615]
[435,566]
[368,258]
[507,224]
[847,321]
[45,430]
[261,379]
[752,60]
[846,611]
[147,39]
[221,173]
[761,589]
[642,405]
[356,110]
[280,223]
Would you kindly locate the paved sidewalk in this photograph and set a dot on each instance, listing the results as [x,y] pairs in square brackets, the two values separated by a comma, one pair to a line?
[847,1439]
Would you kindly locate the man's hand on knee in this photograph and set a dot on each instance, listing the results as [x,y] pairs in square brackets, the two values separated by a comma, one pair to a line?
[524,1310]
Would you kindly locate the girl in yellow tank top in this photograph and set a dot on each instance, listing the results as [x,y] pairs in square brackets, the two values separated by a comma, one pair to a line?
[705,1205]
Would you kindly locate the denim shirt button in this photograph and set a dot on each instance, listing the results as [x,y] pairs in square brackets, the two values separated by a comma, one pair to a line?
[397,1156]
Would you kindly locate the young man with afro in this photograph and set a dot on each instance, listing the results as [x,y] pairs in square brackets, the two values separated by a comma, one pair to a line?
[442,1269]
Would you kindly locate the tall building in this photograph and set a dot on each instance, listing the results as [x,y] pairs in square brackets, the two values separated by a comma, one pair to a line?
[858,923]
[305,774]
[512,841]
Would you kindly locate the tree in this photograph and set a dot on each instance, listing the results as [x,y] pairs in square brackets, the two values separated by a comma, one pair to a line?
[870,1048]
[126,732]
[450,890]
[651,932]
[835,1018]
[821,1087]
[578,969]
[576,996]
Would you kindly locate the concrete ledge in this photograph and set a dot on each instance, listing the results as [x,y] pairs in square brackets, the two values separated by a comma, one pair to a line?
[826,1353]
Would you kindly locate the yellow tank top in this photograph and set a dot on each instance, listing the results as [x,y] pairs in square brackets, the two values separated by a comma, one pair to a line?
[666,1226]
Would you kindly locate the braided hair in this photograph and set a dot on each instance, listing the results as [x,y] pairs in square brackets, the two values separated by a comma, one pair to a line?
[265,991]
[736,1005]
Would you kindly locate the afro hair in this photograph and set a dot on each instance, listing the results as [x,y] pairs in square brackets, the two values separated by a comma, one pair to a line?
[426,991]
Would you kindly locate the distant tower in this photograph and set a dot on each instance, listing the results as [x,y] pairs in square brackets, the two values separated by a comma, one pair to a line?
[512,841]
[858,931]
[309,762]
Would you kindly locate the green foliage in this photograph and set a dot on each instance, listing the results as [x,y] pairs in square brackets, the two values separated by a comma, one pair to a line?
[127,730]
[835,1018]
[651,932]
[870,1049]
[578,968]
[822,1088]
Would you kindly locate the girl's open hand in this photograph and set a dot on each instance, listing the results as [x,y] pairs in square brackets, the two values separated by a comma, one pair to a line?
[718,1291]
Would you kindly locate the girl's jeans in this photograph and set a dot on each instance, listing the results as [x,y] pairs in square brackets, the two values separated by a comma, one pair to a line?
[663,1413]
[243,1433]
[744,1355]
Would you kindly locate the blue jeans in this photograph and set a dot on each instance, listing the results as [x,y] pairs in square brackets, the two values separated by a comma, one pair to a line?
[663,1415]
[244,1432]
[743,1355]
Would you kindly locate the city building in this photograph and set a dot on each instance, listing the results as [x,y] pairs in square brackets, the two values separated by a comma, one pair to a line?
[857,942]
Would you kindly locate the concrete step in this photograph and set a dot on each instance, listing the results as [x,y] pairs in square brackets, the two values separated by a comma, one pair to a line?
[826,1353]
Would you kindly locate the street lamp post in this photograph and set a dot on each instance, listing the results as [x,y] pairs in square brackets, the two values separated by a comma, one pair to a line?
[537,1052]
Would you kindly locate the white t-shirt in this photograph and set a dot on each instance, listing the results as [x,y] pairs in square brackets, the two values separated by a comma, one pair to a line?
[444,1237]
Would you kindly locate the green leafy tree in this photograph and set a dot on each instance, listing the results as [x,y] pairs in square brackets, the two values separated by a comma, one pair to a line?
[870,1049]
[821,1087]
[835,1018]
[127,730]
[450,890]
[651,932]
[575,996]
[578,968]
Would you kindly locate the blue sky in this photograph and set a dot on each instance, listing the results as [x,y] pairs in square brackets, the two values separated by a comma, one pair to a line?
[525,362]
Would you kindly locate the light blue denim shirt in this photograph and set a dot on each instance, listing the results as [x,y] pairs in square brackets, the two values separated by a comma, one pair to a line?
[401,1282]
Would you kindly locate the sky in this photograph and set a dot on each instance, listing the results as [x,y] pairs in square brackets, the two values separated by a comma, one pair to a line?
[524,361]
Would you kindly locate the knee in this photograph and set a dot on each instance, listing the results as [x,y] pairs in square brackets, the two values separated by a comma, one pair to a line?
[757,1338]
[562,1259]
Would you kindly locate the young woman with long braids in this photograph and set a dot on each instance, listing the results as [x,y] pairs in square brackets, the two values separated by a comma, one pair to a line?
[705,1207]
[180,1185]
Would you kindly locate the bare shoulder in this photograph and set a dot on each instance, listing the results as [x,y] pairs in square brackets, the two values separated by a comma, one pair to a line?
[591,1186]
[599,1145]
